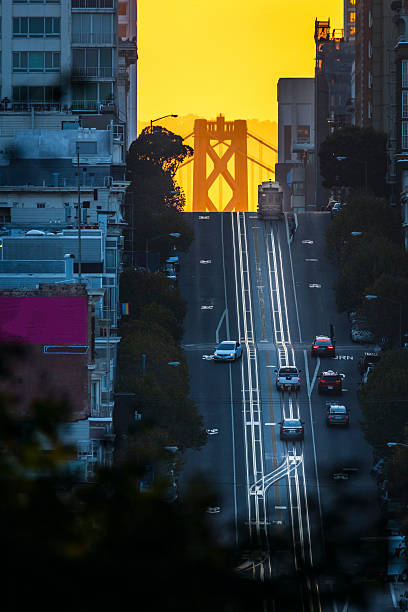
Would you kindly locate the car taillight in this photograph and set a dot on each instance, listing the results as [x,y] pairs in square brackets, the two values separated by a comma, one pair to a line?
[347,417]
[330,346]
[284,429]
[298,377]
[301,429]
[329,417]
[338,381]
[322,380]
[278,377]
[315,346]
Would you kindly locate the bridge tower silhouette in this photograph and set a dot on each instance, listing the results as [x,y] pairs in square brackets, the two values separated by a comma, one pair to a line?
[220,131]
[208,137]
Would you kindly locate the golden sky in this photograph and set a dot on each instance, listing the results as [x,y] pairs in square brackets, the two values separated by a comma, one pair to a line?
[207,57]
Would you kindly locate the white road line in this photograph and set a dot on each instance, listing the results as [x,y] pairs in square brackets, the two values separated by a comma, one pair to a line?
[293,280]
[309,391]
[217,331]
[230,383]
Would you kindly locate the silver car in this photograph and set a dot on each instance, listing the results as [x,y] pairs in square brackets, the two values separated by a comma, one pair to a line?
[228,350]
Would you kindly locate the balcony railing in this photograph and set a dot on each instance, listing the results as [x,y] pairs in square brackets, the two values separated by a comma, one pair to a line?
[92,4]
[86,105]
[28,106]
[81,72]
[93,38]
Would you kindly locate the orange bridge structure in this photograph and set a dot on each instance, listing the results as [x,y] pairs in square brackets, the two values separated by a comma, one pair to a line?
[225,144]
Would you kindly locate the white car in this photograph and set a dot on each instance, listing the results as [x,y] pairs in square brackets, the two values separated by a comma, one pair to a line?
[228,350]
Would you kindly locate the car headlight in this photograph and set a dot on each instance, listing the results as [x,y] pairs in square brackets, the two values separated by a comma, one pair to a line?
[232,354]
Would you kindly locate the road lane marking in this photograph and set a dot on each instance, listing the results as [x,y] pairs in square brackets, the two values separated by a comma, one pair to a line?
[309,389]
[230,384]
[311,259]
[217,331]
[314,286]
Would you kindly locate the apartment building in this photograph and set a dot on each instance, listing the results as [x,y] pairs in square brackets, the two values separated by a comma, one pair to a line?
[64,55]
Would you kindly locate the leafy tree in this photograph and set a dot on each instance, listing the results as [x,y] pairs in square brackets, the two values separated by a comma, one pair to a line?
[140,289]
[384,401]
[368,260]
[160,315]
[363,147]
[384,312]
[371,216]
[161,148]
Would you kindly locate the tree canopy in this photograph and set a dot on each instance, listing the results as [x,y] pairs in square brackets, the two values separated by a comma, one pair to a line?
[154,201]
[363,151]
[161,148]
[384,401]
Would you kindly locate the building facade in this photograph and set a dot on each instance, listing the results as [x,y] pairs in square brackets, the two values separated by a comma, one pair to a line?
[65,55]
[296,134]
[333,77]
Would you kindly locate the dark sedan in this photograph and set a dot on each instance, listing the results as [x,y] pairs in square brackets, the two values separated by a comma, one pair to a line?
[291,429]
[323,346]
[337,414]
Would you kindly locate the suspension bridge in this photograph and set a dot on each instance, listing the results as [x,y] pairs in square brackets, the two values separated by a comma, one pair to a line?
[222,176]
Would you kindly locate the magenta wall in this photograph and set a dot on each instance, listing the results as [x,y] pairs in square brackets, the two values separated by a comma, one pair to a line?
[44,320]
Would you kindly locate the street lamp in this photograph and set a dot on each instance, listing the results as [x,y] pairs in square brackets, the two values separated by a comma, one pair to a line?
[359,161]
[381,297]
[389,444]
[158,119]
[172,235]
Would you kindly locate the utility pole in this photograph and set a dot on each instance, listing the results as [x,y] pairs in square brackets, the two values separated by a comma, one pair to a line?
[79,216]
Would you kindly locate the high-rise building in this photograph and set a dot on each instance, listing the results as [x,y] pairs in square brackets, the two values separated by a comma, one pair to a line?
[363,100]
[67,56]
[333,76]
[349,19]
[127,18]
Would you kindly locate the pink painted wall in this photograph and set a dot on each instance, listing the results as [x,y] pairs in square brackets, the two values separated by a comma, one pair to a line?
[44,320]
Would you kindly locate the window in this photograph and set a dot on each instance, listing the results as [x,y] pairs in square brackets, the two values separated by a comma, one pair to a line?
[40,204]
[36,61]
[31,95]
[352,17]
[92,28]
[298,189]
[92,62]
[90,4]
[36,1]
[30,27]
[287,139]
[122,8]
[404,73]
[404,104]
[404,135]
[87,148]
[303,134]
[89,96]
[122,30]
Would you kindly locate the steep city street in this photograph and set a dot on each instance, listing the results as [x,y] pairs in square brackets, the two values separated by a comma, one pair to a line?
[245,280]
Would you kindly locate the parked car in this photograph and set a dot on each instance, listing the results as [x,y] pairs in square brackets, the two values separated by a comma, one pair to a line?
[335,209]
[362,335]
[337,414]
[330,382]
[291,429]
[369,359]
[228,350]
[323,345]
[288,378]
